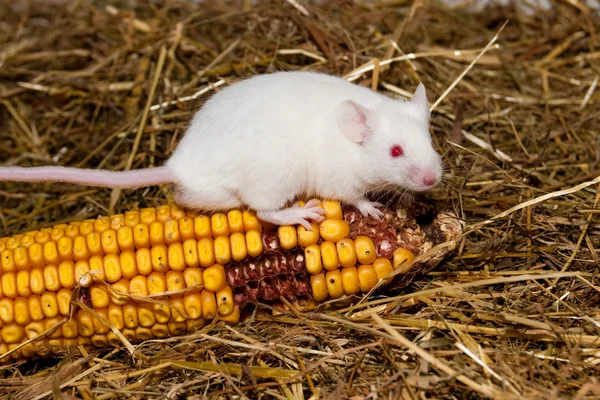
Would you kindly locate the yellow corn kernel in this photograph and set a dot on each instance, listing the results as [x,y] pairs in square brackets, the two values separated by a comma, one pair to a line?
[86,227]
[13,242]
[109,241]
[28,240]
[36,281]
[318,287]
[85,323]
[162,313]
[329,256]
[219,224]
[190,253]
[334,229]
[117,221]
[143,333]
[125,240]
[172,231]
[157,283]
[9,285]
[382,267]
[367,278]
[21,257]
[225,303]
[333,209]
[72,231]
[101,224]
[350,281]
[51,279]
[143,261]
[82,274]
[129,335]
[2,246]
[312,255]
[209,304]
[160,330]
[146,316]
[24,283]
[97,268]
[128,265]
[119,292]
[148,215]
[163,213]
[132,218]
[51,325]
[64,247]
[177,307]
[238,246]
[138,286]
[42,237]
[130,316]
[365,250]
[94,244]
[175,281]
[254,243]
[222,250]
[159,258]
[115,316]
[233,317]
[214,278]
[22,314]
[177,328]
[141,236]
[36,255]
[206,252]
[236,221]
[49,304]
[112,268]
[66,274]
[251,222]
[100,327]
[12,333]
[333,280]
[7,310]
[193,277]
[176,211]
[99,295]
[288,237]
[186,228]
[35,307]
[63,299]
[99,340]
[346,252]
[192,303]
[306,237]
[69,329]
[34,329]
[176,257]
[157,233]
[202,228]
[402,259]
[8,262]
[80,250]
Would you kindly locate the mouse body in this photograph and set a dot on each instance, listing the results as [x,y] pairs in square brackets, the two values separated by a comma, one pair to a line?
[269,139]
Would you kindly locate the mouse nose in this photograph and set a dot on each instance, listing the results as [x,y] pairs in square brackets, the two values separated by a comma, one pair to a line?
[429,179]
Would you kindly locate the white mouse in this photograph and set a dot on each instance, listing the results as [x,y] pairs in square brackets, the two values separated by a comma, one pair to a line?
[270,139]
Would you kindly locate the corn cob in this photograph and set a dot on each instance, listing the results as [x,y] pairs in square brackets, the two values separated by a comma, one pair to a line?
[159,272]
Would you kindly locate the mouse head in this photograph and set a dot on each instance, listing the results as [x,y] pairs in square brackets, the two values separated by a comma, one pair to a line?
[394,140]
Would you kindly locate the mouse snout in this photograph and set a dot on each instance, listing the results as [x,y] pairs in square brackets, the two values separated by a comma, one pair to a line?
[429,178]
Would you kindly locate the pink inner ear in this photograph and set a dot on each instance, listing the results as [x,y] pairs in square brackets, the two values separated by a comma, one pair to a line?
[352,120]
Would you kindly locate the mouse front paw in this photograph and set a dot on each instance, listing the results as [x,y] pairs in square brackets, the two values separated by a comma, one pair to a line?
[301,215]
[369,208]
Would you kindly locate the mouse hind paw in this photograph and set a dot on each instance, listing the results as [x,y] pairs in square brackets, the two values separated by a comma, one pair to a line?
[301,215]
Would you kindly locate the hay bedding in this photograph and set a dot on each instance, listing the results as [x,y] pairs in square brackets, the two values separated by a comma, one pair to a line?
[513,313]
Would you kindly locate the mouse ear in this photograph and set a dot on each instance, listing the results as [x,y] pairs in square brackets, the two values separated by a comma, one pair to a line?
[419,99]
[352,119]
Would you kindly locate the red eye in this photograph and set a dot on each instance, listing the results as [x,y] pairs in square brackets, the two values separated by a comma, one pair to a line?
[396,151]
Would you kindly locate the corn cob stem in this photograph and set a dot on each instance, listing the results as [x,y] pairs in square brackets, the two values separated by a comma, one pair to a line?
[164,271]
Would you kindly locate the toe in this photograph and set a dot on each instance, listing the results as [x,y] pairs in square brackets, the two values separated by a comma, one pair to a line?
[311,203]
[305,224]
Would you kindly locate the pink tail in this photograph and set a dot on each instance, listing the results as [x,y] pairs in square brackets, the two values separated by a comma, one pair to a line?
[89,177]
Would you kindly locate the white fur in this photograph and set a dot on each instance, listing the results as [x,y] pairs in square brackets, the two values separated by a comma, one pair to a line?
[264,141]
